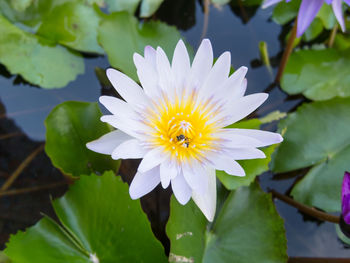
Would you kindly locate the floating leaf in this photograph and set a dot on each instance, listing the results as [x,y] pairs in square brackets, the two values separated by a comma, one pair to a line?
[247,229]
[318,135]
[285,12]
[69,127]
[99,220]
[318,74]
[72,24]
[121,35]
[148,7]
[35,59]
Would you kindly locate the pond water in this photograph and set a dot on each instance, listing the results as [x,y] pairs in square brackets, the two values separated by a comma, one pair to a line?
[28,107]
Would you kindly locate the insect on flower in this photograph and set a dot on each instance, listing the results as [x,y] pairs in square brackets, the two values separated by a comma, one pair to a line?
[176,123]
[309,9]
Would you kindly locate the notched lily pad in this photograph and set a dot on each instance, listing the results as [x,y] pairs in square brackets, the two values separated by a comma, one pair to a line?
[69,127]
[37,60]
[247,229]
[99,223]
[318,74]
[317,135]
[121,35]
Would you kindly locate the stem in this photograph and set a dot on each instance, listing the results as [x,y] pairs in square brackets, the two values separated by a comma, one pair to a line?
[306,209]
[20,168]
[10,135]
[31,189]
[332,36]
[206,18]
[287,52]
[318,260]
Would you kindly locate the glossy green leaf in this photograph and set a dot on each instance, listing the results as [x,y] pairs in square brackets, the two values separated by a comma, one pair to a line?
[314,30]
[148,7]
[35,59]
[72,24]
[285,12]
[252,167]
[121,35]
[247,229]
[69,127]
[327,16]
[318,74]
[317,135]
[99,218]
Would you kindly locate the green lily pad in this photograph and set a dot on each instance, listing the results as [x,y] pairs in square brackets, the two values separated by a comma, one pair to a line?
[148,7]
[69,127]
[318,74]
[121,35]
[247,229]
[285,12]
[4,258]
[38,61]
[317,135]
[72,24]
[254,167]
[99,221]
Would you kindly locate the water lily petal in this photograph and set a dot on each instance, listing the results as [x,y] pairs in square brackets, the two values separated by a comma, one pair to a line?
[168,171]
[345,196]
[181,189]
[338,12]
[127,88]
[148,76]
[195,176]
[143,183]
[263,138]
[130,149]
[153,158]
[268,3]
[108,142]
[180,65]
[307,12]
[207,202]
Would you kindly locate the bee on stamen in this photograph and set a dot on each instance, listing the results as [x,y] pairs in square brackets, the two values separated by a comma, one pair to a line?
[186,140]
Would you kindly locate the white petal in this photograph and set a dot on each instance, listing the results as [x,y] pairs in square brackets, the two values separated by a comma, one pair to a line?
[242,107]
[130,149]
[108,142]
[132,127]
[147,75]
[207,202]
[226,163]
[164,71]
[117,106]
[143,183]
[127,88]
[245,153]
[265,138]
[234,87]
[231,139]
[181,189]
[168,171]
[195,176]
[150,56]
[202,63]
[217,76]
[180,65]
[152,159]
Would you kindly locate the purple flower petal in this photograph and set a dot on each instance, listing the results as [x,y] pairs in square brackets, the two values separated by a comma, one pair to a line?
[307,12]
[338,12]
[347,2]
[328,1]
[268,3]
[345,197]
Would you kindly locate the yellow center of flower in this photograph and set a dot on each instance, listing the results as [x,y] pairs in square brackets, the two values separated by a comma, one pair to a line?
[183,129]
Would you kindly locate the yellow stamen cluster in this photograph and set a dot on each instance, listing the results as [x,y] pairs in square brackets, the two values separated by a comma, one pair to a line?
[182,128]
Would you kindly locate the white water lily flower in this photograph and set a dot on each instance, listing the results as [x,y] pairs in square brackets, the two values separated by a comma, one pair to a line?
[176,123]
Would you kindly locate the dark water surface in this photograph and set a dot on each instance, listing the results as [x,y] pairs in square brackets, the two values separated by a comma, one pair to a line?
[28,107]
